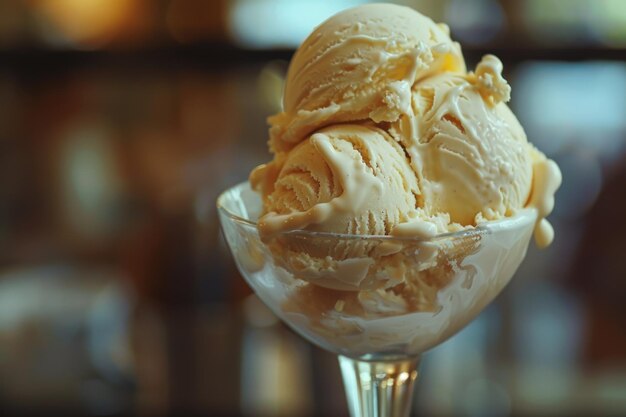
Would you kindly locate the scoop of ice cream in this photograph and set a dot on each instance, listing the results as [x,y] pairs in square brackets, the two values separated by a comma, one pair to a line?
[343,179]
[351,179]
[471,155]
[361,64]
[384,133]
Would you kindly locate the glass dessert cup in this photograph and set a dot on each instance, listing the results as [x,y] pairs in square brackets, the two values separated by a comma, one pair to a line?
[384,302]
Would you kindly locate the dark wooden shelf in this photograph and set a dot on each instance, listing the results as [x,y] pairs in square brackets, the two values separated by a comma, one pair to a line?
[221,56]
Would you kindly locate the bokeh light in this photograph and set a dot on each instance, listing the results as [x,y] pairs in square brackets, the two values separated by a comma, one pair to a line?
[122,121]
[92,23]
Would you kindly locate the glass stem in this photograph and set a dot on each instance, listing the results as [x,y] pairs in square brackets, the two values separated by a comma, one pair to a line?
[379,388]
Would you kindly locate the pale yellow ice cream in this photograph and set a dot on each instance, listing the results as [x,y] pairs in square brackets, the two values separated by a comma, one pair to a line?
[349,179]
[360,64]
[471,156]
[385,133]
[322,182]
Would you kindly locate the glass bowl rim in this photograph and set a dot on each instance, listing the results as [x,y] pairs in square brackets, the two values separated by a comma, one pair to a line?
[481,229]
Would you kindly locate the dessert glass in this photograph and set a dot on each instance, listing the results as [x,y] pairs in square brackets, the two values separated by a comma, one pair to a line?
[377,333]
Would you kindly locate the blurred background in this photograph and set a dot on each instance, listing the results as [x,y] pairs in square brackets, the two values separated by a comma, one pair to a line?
[122,120]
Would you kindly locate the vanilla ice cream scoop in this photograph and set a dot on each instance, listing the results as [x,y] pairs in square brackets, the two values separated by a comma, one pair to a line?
[361,64]
[470,154]
[385,133]
[472,158]
[343,179]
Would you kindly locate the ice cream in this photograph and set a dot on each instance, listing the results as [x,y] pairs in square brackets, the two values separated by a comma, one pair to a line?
[470,154]
[321,183]
[431,288]
[385,133]
[360,64]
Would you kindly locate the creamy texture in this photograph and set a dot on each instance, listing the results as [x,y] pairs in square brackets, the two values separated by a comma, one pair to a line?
[489,80]
[360,64]
[471,157]
[468,162]
[546,180]
[385,133]
[322,182]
